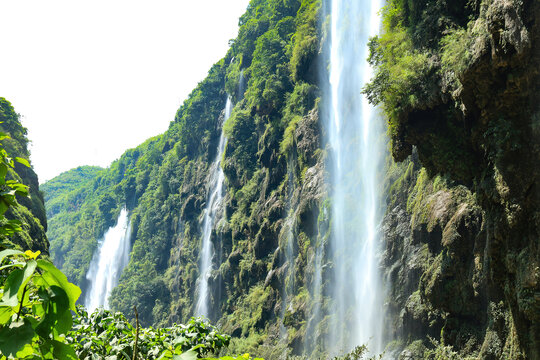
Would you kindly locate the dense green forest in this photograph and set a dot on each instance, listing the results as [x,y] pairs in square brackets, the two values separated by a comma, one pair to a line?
[457,83]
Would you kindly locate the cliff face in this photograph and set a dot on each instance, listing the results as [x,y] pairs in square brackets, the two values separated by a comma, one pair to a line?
[274,188]
[477,124]
[31,210]
[459,84]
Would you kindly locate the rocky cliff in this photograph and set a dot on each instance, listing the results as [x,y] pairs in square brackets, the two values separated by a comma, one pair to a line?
[469,112]
[458,82]
[30,211]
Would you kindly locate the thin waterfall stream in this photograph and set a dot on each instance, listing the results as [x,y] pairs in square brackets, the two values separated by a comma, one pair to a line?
[355,157]
[211,216]
[108,261]
[288,244]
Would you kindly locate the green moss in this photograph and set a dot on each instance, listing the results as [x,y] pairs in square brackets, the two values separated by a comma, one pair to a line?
[305,40]
[402,74]
[440,351]
[249,311]
[288,136]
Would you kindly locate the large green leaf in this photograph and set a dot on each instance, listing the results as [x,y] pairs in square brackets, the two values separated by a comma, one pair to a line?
[28,352]
[53,349]
[5,314]
[16,264]
[28,271]
[53,276]
[57,319]
[15,284]
[22,161]
[188,355]
[11,288]
[15,336]
[8,252]
[63,351]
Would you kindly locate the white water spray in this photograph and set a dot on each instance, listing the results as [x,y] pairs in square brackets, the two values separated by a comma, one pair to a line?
[288,239]
[211,216]
[108,261]
[354,133]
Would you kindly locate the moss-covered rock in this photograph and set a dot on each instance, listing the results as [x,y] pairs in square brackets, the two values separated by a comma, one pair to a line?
[477,128]
[30,210]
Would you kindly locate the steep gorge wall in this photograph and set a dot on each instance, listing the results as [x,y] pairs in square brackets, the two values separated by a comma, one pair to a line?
[273,168]
[458,82]
[464,93]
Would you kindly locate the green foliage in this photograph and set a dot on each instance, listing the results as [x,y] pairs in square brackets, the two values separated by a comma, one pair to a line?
[106,334]
[27,212]
[65,192]
[35,308]
[251,312]
[288,137]
[36,321]
[306,41]
[420,59]
[9,189]
[298,103]
[358,353]
[36,298]
[455,51]
[10,124]
[268,73]
[402,75]
[162,182]
[440,351]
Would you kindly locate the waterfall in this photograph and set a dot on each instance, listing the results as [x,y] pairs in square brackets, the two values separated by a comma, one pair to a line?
[354,135]
[287,243]
[211,216]
[312,339]
[108,261]
[241,86]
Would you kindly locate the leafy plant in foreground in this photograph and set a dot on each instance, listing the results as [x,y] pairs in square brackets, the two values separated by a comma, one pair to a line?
[35,297]
[35,308]
[108,334]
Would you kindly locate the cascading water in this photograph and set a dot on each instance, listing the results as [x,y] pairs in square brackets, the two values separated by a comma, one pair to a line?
[108,262]
[241,85]
[288,239]
[211,216]
[354,136]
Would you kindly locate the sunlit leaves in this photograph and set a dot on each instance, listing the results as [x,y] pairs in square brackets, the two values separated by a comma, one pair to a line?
[15,336]
[105,334]
[53,276]
[34,308]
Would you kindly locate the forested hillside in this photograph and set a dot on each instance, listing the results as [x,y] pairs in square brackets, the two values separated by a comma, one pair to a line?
[457,83]
[31,210]
[162,182]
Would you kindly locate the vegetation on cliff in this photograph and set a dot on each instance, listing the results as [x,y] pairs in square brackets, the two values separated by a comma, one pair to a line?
[270,72]
[30,212]
[39,318]
[459,84]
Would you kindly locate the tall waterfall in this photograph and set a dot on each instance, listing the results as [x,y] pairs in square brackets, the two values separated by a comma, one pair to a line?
[211,215]
[287,242]
[108,261]
[354,136]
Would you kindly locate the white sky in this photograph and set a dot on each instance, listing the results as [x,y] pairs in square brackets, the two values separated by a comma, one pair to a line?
[94,78]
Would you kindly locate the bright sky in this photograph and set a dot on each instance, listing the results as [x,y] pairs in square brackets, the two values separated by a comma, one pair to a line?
[94,78]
